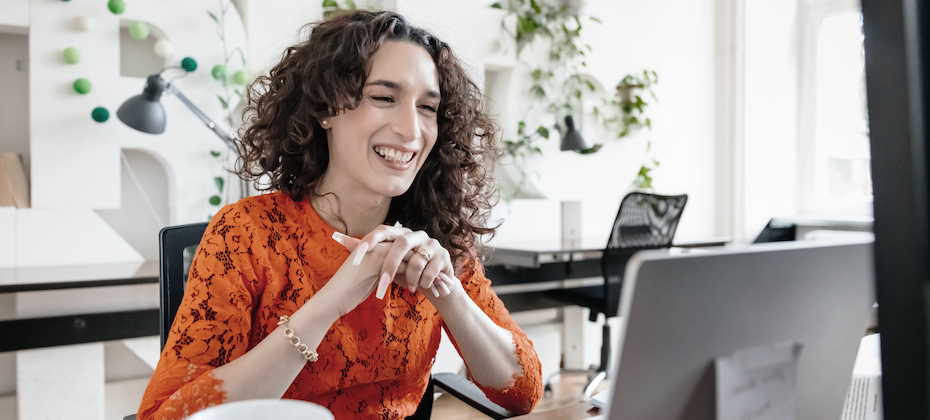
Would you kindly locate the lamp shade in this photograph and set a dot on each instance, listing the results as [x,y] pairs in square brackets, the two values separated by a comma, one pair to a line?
[572,139]
[144,112]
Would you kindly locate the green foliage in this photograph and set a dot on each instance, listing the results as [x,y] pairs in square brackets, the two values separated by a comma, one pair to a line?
[625,114]
[557,87]
[215,200]
[627,106]
[333,8]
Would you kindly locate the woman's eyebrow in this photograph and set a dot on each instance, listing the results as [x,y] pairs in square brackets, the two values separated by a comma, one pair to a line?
[396,86]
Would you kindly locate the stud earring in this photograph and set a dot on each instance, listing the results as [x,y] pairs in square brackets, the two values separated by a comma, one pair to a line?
[324,123]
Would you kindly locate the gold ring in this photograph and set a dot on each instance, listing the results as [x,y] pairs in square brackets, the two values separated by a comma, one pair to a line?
[424,253]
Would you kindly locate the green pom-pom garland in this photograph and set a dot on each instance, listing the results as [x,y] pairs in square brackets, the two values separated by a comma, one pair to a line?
[82,86]
[189,64]
[100,114]
[71,55]
[218,72]
[241,77]
[139,30]
[116,6]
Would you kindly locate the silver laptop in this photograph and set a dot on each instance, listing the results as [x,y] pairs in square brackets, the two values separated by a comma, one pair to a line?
[680,312]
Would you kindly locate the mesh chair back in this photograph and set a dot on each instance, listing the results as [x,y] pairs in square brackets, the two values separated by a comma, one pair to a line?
[646,221]
[176,247]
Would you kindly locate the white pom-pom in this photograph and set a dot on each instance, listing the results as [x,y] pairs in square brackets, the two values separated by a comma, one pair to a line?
[83,23]
[163,48]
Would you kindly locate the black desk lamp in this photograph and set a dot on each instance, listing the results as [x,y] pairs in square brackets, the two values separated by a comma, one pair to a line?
[572,139]
[145,112]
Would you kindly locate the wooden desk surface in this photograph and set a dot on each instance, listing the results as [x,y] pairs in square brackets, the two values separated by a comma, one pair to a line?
[580,410]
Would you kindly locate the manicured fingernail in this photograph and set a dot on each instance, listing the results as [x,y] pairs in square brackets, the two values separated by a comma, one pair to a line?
[443,285]
[434,289]
[383,283]
[360,253]
[397,224]
[339,237]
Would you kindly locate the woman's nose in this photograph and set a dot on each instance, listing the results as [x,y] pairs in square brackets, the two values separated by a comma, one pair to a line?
[407,122]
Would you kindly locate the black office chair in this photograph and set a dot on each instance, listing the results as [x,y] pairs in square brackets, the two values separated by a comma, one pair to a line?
[177,246]
[777,231]
[644,221]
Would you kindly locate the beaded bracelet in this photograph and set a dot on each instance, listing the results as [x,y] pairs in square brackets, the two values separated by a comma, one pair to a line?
[305,351]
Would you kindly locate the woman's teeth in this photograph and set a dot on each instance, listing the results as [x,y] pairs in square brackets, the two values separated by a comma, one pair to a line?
[394,155]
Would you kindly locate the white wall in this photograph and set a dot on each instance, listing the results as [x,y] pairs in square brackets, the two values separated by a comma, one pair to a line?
[676,39]
[15,16]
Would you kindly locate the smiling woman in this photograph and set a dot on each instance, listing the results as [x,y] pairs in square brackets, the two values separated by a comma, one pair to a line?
[333,288]
[378,147]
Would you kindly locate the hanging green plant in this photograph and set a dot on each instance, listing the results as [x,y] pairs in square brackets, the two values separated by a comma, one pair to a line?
[625,114]
[628,106]
[333,8]
[558,87]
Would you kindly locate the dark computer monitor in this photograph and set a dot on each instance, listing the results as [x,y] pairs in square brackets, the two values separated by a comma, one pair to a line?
[897,66]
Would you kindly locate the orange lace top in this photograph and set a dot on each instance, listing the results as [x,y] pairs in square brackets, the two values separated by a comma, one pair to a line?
[265,256]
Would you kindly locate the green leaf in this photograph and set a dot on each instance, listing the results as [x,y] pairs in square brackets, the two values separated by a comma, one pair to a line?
[215,200]
[219,183]
[496,6]
[543,131]
[222,102]
[214,153]
[330,3]
[535,7]
[591,150]
[538,91]
[215,19]
[350,4]
[590,85]
[596,19]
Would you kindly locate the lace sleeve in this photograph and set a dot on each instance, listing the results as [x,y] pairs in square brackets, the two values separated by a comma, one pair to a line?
[212,325]
[527,389]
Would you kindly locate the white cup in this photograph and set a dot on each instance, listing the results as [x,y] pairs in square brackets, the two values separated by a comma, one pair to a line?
[264,409]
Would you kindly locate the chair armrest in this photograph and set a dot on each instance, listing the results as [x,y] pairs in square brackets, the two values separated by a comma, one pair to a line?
[470,394]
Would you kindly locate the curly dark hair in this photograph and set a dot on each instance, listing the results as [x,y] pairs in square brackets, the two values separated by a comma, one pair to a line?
[283,142]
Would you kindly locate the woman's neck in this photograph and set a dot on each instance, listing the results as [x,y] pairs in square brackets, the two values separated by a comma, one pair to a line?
[354,214]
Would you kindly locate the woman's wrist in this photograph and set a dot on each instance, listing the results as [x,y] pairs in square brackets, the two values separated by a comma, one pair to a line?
[318,311]
[457,298]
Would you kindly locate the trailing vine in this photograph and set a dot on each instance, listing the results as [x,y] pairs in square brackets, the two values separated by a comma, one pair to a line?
[231,89]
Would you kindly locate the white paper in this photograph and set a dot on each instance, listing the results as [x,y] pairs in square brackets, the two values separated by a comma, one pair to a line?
[601,399]
[758,383]
[864,397]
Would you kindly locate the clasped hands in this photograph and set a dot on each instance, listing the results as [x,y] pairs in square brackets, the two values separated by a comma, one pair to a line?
[410,259]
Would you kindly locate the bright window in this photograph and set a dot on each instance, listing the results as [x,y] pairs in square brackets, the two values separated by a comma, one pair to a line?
[835,176]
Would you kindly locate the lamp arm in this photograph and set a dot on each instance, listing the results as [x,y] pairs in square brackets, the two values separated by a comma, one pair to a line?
[230,142]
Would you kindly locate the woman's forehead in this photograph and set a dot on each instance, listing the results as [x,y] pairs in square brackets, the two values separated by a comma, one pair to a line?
[403,65]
